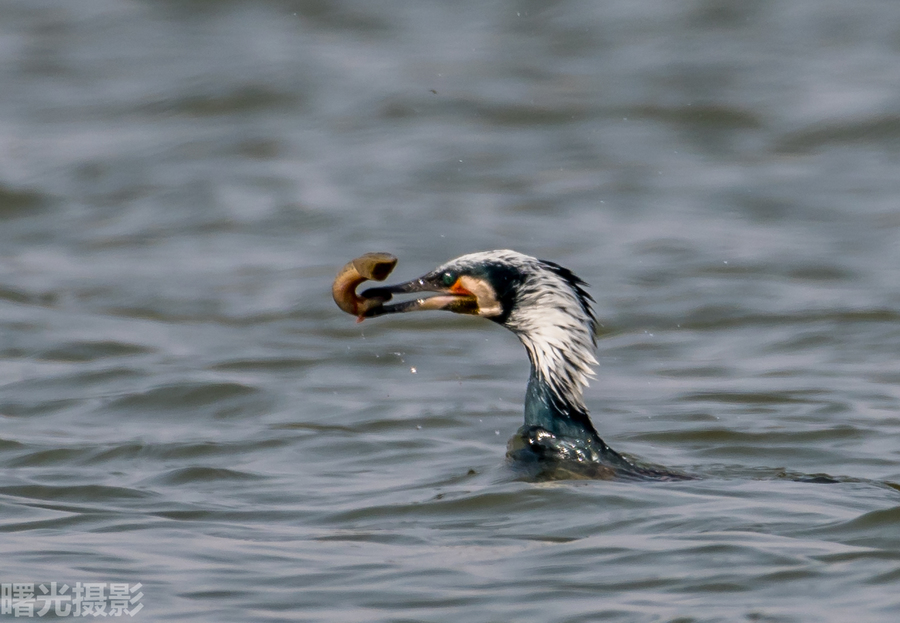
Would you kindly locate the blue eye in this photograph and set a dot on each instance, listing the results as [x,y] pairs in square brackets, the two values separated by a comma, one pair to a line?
[449,279]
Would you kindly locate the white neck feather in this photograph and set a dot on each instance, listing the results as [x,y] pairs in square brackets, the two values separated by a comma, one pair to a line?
[557,329]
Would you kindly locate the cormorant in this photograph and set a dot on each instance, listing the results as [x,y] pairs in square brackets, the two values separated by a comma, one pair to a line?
[549,310]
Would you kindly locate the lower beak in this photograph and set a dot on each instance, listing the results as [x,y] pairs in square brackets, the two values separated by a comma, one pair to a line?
[458,302]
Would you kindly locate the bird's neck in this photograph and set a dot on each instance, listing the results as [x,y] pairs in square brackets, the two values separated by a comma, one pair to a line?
[554,400]
[554,321]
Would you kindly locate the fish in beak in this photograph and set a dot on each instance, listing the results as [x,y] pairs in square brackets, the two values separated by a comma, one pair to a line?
[457,288]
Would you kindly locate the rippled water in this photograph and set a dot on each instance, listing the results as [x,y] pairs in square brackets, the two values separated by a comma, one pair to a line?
[183,406]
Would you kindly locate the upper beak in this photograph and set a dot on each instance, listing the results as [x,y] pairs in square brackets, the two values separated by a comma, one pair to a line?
[452,299]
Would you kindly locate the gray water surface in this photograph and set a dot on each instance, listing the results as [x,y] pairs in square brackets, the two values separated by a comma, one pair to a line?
[183,406]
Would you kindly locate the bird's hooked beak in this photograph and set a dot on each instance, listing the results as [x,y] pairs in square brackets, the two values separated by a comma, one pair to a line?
[455,298]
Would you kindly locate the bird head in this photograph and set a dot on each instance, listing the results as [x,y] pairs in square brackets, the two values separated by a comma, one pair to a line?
[536,299]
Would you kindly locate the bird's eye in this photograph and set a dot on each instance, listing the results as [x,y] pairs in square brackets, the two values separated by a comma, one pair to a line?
[449,279]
